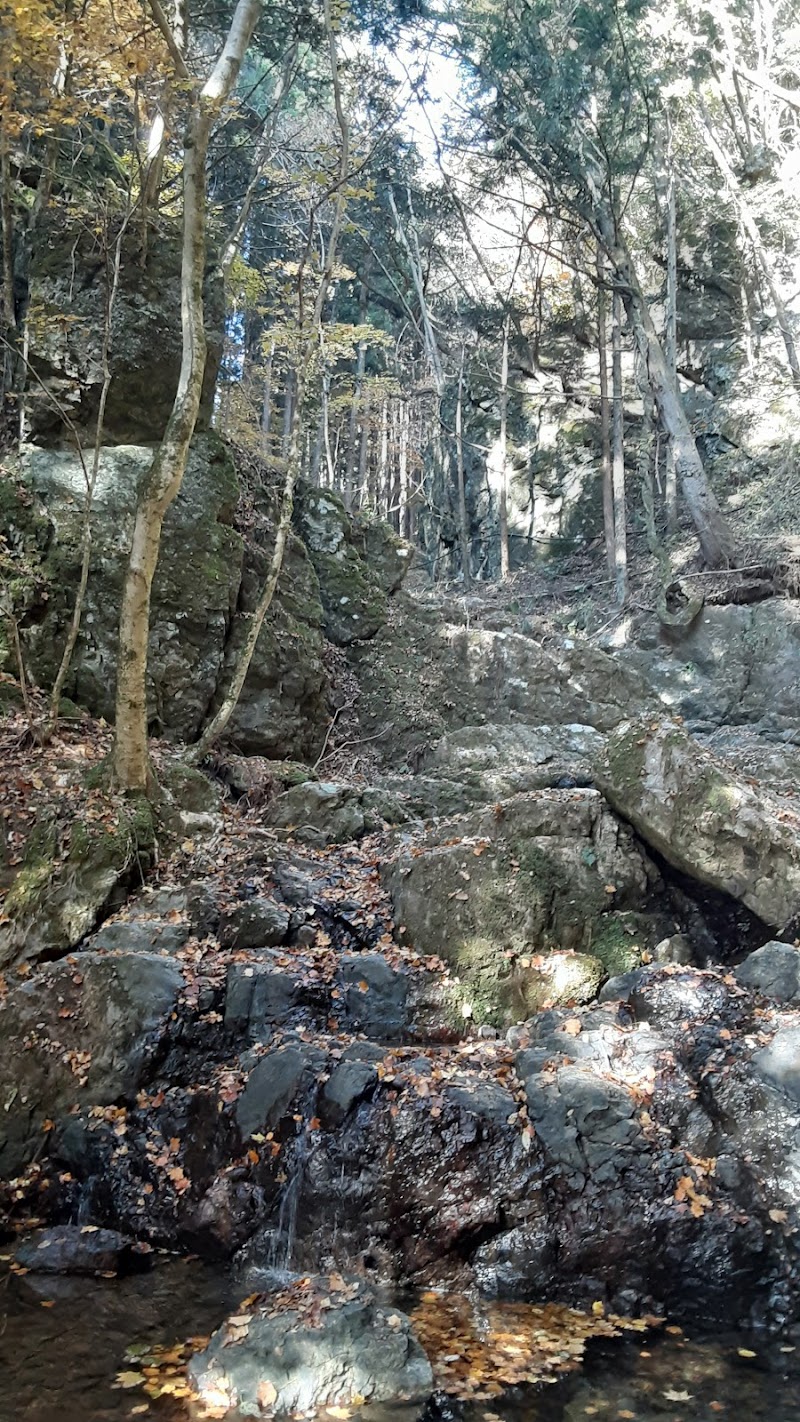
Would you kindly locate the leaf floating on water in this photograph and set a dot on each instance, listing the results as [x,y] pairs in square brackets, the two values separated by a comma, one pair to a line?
[130,1379]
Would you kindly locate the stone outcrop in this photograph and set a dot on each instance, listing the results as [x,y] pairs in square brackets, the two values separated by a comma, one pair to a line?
[359,564]
[425,675]
[67,298]
[309,1347]
[209,576]
[85,1031]
[736,665]
[537,874]
[706,820]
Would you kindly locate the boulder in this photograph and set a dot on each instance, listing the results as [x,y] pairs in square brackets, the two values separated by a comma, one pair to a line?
[774,971]
[313,1346]
[68,274]
[320,812]
[260,996]
[492,891]
[348,1084]
[76,1249]
[84,1032]
[257,923]
[779,1063]
[735,665]
[195,587]
[373,994]
[704,819]
[141,935]
[70,876]
[272,1085]
[422,677]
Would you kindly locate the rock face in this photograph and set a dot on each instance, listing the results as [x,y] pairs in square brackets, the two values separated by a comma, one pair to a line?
[68,275]
[703,818]
[209,576]
[423,676]
[736,665]
[358,563]
[492,891]
[773,970]
[61,888]
[85,1030]
[309,1348]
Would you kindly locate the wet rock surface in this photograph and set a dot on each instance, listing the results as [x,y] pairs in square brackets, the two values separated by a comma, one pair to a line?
[78,1249]
[311,1347]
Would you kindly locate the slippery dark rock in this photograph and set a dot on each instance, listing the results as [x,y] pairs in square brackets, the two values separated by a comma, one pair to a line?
[84,1031]
[270,1088]
[348,1084]
[257,923]
[773,970]
[78,1249]
[317,1347]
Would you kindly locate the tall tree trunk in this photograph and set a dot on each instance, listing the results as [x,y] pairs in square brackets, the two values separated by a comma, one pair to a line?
[355,408]
[463,525]
[163,480]
[713,531]
[326,427]
[618,453]
[505,560]
[671,332]
[222,716]
[605,421]
[6,212]
[402,464]
[288,405]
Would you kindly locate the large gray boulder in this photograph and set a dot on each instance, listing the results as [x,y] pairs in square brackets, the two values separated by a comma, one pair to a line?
[492,891]
[706,820]
[774,971]
[82,1032]
[735,665]
[66,326]
[322,1342]
[358,563]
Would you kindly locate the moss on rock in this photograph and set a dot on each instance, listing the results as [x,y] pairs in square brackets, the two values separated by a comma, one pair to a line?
[67,880]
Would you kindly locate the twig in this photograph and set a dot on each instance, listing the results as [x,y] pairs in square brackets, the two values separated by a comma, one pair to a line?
[347,706]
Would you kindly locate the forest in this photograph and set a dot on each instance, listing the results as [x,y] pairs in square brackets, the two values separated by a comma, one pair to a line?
[399,686]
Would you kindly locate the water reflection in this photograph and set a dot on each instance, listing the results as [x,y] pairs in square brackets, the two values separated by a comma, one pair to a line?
[63,1341]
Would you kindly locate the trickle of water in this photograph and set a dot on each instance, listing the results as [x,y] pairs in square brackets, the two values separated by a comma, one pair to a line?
[281,1250]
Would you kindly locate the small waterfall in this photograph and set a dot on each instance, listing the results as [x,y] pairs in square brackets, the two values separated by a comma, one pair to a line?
[281,1250]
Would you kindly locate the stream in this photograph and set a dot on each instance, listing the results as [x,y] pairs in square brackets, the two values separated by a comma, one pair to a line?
[63,1342]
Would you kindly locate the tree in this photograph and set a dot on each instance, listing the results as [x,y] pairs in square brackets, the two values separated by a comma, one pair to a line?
[206,103]
[311,335]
